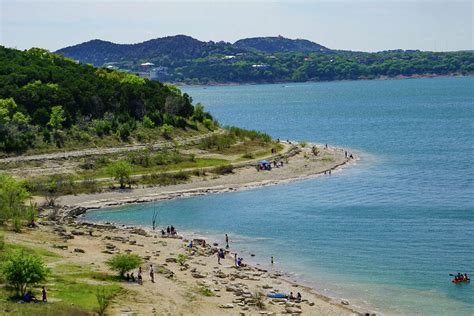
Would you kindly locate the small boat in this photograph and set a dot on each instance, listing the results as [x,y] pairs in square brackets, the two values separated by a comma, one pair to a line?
[277,295]
[461,281]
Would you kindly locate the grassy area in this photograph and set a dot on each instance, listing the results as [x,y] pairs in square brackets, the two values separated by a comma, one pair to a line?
[71,288]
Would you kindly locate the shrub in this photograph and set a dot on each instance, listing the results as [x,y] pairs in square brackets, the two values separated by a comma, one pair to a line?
[226,169]
[123,263]
[147,122]
[124,131]
[21,270]
[181,259]
[203,290]
[164,179]
[102,127]
[2,242]
[120,171]
[208,123]
[166,130]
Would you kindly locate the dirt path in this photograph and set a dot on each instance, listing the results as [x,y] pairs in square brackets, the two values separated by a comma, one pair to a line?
[111,150]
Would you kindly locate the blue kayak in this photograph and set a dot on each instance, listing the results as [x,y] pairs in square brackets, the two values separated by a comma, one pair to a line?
[277,295]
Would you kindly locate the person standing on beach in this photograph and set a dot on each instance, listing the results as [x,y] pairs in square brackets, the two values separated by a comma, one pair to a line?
[43,292]
[218,257]
[227,241]
[152,273]
[272,260]
[235,259]
[140,278]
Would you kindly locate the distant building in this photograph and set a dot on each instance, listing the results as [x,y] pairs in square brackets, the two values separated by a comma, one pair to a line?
[262,66]
[159,73]
[146,66]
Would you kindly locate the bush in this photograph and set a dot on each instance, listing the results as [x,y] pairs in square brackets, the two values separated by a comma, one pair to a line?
[147,122]
[166,130]
[226,169]
[21,270]
[217,142]
[181,259]
[2,242]
[123,263]
[164,179]
[208,123]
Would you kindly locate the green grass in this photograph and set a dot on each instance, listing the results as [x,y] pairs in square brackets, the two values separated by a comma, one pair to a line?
[38,251]
[205,291]
[71,289]
[137,169]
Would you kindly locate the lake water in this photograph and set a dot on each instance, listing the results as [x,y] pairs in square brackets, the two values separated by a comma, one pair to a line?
[384,233]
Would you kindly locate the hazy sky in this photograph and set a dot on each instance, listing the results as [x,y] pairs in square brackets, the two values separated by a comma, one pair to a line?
[341,24]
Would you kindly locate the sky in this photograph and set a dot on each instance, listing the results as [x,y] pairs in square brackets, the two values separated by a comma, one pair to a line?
[367,25]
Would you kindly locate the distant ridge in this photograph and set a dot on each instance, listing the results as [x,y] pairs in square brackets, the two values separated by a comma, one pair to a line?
[183,59]
[98,52]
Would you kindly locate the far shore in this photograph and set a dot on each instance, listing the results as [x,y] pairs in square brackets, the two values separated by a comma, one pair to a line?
[383,78]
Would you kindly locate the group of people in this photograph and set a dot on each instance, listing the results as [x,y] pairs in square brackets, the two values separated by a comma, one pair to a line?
[131,277]
[268,165]
[170,232]
[461,277]
[348,155]
[29,297]
[298,297]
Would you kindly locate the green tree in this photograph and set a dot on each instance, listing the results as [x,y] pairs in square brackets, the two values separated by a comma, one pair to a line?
[122,263]
[21,270]
[56,118]
[12,197]
[120,171]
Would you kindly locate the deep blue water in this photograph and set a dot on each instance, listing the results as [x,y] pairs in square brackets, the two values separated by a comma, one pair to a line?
[384,233]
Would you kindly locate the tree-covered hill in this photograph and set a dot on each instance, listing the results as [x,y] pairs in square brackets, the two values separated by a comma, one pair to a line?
[48,99]
[182,59]
[279,45]
[174,48]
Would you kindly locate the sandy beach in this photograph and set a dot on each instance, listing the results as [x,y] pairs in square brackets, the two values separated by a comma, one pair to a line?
[178,289]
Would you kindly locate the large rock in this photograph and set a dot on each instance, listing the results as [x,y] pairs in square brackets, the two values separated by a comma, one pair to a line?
[293,310]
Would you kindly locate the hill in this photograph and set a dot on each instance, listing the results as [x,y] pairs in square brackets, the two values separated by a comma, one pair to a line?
[177,48]
[279,45]
[48,100]
[182,59]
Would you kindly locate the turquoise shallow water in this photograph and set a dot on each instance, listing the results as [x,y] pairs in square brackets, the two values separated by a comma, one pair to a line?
[384,233]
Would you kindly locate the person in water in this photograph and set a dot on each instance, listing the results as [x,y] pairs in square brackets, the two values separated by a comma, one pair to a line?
[466,277]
